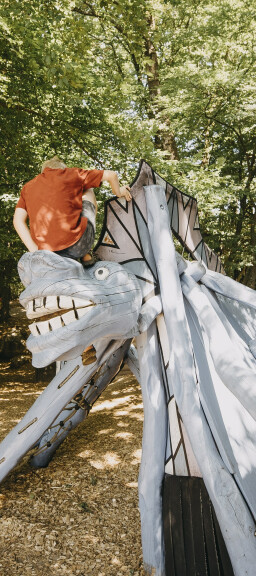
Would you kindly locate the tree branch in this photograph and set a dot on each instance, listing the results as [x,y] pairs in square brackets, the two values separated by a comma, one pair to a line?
[119,28]
[59,122]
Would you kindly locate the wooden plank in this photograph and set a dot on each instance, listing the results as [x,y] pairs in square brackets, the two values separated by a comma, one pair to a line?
[167,524]
[153,451]
[188,527]
[212,555]
[194,545]
[198,527]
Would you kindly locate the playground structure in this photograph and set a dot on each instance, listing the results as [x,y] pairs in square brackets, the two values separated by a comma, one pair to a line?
[195,360]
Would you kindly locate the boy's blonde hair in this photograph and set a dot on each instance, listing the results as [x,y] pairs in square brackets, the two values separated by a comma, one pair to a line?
[54,162]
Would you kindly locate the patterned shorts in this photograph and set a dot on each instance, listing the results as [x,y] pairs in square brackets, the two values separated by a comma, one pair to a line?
[85,243]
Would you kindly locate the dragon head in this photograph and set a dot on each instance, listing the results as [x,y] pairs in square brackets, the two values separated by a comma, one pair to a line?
[72,307]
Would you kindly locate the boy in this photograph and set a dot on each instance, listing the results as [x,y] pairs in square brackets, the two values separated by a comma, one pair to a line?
[61,207]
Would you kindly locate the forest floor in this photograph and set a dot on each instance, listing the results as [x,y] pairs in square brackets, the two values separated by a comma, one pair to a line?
[79,516]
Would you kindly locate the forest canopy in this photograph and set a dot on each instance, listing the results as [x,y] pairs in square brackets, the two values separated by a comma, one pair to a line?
[104,83]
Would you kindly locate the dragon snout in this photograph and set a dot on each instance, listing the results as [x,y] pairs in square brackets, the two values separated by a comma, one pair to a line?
[56,311]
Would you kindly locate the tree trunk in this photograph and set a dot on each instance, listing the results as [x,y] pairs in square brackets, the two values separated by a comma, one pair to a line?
[6,271]
[164,137]
[5,302]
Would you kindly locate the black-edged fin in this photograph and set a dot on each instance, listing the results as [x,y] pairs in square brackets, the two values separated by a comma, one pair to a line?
[124,232]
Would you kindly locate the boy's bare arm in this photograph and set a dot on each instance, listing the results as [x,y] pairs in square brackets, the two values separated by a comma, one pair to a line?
[20,224]
[121,191]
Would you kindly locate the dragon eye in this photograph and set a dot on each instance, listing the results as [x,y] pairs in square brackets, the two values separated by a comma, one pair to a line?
[101,273]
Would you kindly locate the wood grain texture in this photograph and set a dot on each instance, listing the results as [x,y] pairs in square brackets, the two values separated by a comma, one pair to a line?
[194,545]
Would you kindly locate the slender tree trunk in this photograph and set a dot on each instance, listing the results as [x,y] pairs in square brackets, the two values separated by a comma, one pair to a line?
[6,271]
[164,137]
[250,273]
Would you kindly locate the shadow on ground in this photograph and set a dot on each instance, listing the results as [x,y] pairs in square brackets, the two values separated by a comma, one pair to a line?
[79,516]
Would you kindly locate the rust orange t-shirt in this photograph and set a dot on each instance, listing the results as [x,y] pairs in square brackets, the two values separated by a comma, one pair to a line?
[53,201]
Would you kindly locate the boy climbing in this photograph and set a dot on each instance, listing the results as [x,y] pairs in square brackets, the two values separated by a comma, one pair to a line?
[61,207]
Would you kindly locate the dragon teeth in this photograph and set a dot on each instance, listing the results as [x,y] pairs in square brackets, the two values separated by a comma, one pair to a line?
[49,304]
[47,326]
[81,312]
[33,329]
[43,327]
[69,317]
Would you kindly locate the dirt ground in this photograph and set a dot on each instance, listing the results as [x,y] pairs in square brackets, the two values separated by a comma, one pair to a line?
[79,516]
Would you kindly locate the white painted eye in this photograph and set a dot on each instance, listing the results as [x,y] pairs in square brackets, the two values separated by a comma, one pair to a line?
[101,273]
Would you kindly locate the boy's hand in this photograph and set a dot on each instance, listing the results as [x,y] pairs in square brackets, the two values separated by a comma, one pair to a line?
[124,192]
[119,191]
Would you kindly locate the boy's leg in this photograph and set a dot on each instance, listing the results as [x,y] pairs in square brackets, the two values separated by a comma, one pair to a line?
[80,250]
[90,196]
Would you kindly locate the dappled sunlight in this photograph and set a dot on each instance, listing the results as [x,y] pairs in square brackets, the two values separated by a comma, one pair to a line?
[108,460]
[124,436]
[126,390]
[86,454]
[110,404]
[136,456]
[82,510]
[121,413]
[106,431]
[132,485]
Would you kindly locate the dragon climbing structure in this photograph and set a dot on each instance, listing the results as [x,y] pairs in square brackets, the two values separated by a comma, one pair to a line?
[194,356]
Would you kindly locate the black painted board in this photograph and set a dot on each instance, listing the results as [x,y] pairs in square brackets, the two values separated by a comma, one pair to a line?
[194,545]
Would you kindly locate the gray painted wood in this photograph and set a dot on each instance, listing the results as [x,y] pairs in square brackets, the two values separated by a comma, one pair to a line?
[233,429]
[236,522]
[153,452]
[40,416]
[132,362]
[72,415]
[229,361]
[117,313]
[228,287]
[114,293]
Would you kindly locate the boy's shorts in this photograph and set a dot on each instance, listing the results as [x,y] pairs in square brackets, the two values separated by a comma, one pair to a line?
[85,243]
